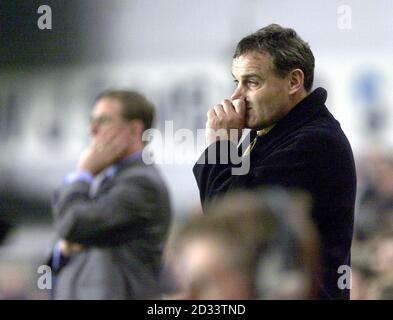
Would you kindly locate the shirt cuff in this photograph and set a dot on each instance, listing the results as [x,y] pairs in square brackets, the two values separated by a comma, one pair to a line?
[56,257]
[58,260]
[78,176]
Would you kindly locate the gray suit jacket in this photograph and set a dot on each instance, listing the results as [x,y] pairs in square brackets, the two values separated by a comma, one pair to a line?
[123,228]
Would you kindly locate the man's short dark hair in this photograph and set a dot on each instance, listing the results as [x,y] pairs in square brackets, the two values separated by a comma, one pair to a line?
[286,48]
[134,105]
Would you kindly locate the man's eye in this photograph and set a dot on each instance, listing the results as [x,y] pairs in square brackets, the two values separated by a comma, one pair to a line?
[252,83]
[236,82]
[100,120]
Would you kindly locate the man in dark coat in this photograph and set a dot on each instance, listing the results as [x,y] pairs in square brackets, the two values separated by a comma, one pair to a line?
[295,143]
[112,215]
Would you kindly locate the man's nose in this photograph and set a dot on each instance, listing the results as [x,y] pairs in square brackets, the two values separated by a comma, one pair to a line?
[237,94]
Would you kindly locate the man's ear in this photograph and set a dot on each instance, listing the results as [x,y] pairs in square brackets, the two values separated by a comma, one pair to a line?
[136,127]
[296,80]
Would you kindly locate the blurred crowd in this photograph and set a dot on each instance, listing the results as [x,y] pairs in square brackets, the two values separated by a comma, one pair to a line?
[372,248]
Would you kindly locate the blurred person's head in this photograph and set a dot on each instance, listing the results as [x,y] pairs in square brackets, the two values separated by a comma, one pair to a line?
[382,260]
[210,270]
[220,255]
[289,267]
[123,109]
[273,69]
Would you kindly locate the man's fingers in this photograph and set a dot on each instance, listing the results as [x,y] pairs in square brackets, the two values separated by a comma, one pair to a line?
[240,106]
[121,142]
[110,139]
[228,106]
[219,111]
[224,117]
[211,113]
[109,133]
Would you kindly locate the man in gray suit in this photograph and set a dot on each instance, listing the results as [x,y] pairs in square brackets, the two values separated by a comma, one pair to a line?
[112,215]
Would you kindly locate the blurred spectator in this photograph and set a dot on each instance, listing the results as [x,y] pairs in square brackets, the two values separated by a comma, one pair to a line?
[375,199]
[112,229]
[248,247]
[372,271]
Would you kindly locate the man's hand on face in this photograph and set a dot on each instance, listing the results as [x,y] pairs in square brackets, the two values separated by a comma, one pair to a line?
[106,148]
[224,117]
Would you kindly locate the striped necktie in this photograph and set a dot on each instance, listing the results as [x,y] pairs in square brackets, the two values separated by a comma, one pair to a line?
[260,133]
